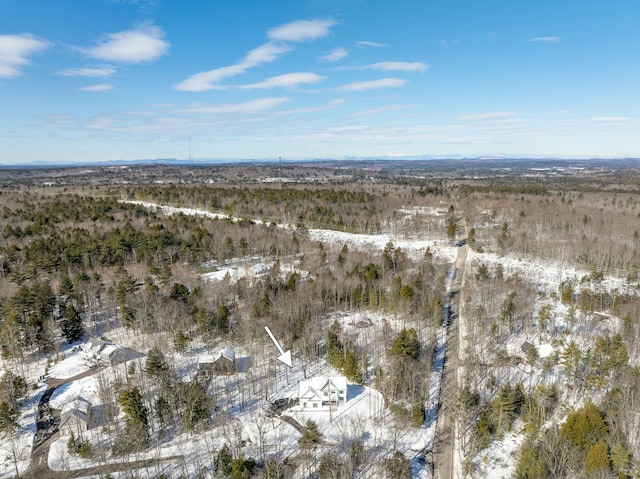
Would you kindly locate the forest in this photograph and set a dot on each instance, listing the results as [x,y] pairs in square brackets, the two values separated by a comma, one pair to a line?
[350,269]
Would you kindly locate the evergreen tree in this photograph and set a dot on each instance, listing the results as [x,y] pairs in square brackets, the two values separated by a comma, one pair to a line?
[136,417]
[72,328]
[222,463]
[406,344]
[9,414]
[335,348]
[243,468]
[179,292]
[598,458]
[156,365]
[310,435]
[585,427]
[351,367]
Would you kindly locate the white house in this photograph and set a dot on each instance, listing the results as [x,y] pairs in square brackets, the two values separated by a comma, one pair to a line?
[322,392]
[75,417]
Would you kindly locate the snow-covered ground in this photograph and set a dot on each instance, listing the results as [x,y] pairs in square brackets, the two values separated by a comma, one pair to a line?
[251,426]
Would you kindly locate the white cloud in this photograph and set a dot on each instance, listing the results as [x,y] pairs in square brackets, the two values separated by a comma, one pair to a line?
[100,123]
[374,84]
[546,39]
[371,44]
[298,31]
[252,106]
[487,116]
[98,87]
[399,66]
[449,43]
[288,80]
[375,111]
[610,119]
[301,30]
[103,71]
[335,55]
[209,80]
[15,50]
[143,44]
[266,53]
[330,105]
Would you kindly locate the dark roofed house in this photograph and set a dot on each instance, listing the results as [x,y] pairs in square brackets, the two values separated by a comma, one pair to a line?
[526,347]
[216,365]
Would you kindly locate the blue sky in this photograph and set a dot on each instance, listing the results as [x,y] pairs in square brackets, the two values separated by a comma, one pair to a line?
[98,80]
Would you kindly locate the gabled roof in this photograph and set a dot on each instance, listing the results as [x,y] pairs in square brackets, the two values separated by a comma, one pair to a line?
[79,408]
[314,387]
[311,394]
[95,345]
[226,353]
[109,349]
[338,382]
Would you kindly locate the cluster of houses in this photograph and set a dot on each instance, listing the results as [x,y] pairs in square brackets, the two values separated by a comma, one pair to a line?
[76,416]
[314,394]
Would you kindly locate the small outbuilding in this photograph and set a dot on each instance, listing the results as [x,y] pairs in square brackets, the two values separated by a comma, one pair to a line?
[223,363]
[526,347]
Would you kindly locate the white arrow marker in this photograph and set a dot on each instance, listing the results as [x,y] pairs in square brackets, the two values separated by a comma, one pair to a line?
[284,357]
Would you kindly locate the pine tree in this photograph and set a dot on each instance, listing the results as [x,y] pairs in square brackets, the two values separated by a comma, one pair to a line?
[72,328]
[310,435]
[136,417]
[351,368]
[406,344]
[598,457]
[222,463]
[156,365]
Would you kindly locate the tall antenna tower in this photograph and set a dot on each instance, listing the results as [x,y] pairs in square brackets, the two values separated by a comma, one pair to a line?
[280,170]
[190,158]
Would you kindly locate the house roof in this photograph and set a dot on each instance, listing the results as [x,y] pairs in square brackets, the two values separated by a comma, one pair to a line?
[526,346]
[79,407]
[311,394]
[312,388]
[98,346]
[109,349]
[226,353]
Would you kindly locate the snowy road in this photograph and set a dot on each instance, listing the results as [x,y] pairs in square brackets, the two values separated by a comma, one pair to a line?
[444,445]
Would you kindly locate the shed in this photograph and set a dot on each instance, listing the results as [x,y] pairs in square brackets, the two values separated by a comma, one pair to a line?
[526,347]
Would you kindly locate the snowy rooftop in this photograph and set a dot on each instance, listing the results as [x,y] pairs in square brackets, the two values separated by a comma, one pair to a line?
[78,404]
[320,382]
